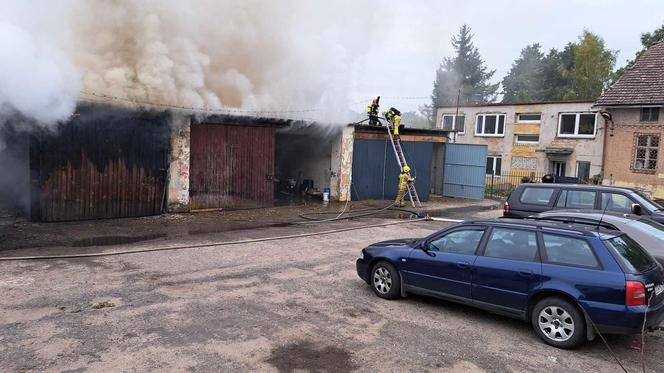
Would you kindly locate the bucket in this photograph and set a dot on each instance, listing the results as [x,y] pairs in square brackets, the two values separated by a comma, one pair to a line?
[326,195]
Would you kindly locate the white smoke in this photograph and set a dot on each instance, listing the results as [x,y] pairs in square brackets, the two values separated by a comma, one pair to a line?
[247,54]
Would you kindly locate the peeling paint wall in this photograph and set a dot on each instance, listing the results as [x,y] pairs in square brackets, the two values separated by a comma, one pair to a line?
[529,158]
[180,154]
[342,165]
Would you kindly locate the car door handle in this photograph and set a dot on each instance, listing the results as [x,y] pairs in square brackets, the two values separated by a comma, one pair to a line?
[463,264]
[525,273]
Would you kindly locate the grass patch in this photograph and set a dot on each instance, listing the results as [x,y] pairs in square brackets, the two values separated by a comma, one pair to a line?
[103,304]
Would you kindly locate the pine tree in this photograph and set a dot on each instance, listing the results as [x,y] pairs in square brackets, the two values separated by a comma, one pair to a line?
[524,82]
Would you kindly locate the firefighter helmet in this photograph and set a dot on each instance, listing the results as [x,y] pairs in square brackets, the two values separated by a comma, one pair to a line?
[406,169]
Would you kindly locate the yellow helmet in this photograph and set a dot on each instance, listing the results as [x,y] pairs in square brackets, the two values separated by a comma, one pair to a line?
[406,169]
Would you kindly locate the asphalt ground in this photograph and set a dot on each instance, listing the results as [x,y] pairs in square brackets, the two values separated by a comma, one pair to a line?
[291,305]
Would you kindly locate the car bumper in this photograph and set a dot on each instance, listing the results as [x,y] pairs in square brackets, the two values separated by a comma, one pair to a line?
[630,320]
[363,269]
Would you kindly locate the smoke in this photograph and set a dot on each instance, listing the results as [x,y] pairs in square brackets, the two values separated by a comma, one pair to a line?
[279,56]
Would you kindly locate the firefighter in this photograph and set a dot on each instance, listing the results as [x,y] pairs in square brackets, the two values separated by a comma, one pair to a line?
[393,118]
[404,180]
[372,111]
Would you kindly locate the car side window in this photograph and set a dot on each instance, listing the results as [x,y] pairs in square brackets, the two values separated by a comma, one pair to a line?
[512,244]
[568,251]
[537,196]
[616,202]
[463,241]
[562,199]
[578,199]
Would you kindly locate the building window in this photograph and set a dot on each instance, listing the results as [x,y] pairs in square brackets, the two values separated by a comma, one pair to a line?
[646,152]
[454,123]
[558,168]
[577,125]
[490,125]
[649,114]
[494,165]
[583,171]
[527,139]
[529,118]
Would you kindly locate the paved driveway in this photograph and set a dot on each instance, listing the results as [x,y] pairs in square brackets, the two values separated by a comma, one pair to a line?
[272,306]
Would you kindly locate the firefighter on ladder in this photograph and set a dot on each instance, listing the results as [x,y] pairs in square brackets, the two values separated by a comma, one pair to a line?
[393,118]
[404,180]
[372,111]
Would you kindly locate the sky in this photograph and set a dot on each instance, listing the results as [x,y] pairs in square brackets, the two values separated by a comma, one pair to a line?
[403,62]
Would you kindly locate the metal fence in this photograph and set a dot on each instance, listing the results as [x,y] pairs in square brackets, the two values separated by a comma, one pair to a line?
[501,185]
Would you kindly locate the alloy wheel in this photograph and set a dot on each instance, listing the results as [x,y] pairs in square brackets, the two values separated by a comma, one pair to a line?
[556,323]
[382,280]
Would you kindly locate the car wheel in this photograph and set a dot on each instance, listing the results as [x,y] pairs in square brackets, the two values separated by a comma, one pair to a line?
[559,322]
[385,281]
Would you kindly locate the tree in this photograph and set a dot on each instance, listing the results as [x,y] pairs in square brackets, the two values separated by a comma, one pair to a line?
[593,66]
[524,82]
[557,73]
[647,39]
[464,73]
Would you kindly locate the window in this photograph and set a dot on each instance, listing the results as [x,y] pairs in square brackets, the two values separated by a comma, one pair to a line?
[458,242]
[490,125]
[454,123]
[529,118]
[649,114]
[576,199]
[512,244]
[568,251]
[583,170]
[632,256]
[537,196]
[558,168]
[494,165]
[527,139]
[646,152]
[577,124]
[616,202]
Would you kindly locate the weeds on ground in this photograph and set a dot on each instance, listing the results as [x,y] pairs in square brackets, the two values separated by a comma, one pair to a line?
[103,304]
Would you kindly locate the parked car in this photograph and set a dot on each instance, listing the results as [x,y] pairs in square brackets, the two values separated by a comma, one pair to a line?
[647,232]
[529,199]
[557,276]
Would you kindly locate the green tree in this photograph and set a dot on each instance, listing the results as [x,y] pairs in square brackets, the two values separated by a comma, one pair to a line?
[593,66]
[557,73]
[524,82]
[464,73]
[647,39]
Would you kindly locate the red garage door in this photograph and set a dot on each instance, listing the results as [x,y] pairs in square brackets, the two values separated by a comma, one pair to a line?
[231,166]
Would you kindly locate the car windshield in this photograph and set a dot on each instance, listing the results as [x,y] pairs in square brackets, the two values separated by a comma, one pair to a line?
[646,203]
[633,257]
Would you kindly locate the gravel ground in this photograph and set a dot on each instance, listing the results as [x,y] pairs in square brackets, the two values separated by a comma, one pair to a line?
[292,305]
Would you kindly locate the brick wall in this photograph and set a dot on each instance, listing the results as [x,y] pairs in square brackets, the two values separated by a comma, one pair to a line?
[620,150]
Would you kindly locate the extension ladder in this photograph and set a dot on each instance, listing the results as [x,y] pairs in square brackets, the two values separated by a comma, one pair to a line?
[401,160]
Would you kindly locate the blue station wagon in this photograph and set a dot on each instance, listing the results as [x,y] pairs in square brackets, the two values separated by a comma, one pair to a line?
[566,280]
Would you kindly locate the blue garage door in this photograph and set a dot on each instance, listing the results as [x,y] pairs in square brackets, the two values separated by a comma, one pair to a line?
[464,170]
[376,172]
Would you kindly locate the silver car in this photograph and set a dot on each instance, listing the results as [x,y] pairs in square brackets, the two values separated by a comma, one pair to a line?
[648,233]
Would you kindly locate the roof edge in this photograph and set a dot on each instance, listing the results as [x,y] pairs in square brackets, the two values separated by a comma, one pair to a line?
[519,103]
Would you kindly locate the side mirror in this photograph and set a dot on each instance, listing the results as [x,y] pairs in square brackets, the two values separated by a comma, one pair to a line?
[636,209]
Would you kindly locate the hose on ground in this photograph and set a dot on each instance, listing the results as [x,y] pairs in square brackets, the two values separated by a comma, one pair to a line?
[197,246]
[312,217]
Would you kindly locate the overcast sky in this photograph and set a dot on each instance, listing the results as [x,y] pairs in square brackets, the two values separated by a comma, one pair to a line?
[409,54]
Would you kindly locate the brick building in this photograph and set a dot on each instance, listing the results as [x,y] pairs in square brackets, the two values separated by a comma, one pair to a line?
[633,146]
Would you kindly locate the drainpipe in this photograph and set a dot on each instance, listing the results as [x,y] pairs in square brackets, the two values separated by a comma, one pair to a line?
[607,119]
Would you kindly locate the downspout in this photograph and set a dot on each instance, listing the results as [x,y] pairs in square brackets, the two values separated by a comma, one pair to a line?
[607,119]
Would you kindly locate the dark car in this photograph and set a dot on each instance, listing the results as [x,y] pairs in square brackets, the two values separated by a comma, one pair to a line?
[557,276]
[529,199]
[647,232]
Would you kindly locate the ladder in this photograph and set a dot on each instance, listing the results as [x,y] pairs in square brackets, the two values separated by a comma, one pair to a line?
[401,160]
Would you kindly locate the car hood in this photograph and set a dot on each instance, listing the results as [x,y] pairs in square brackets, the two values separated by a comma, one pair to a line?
[404,242]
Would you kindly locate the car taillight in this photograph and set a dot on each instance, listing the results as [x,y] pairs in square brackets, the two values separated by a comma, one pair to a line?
[635,294]
[506,208]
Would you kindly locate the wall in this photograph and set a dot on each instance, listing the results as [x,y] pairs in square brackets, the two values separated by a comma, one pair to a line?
[178,172]
[341,165]
[620,147]
[584,150]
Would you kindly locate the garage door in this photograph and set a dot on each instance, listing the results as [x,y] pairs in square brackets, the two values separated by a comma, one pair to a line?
[464,168]
[231,166]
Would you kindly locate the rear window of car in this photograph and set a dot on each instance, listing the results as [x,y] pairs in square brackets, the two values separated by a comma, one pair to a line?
[568,251]
[537,196]
[633,257]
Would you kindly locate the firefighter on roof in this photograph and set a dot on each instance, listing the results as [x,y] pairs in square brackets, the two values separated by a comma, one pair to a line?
[372,111]
[404,180]
[393,117]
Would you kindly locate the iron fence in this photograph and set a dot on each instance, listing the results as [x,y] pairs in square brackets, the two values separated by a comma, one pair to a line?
[502,184]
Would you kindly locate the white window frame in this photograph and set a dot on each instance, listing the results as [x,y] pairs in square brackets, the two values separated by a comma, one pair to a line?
[495,157]
[647,149]
[516,139]
[519,120]
[576,135]
[496,134]
[454,125]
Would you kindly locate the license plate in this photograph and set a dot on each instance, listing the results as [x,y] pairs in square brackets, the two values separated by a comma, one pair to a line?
[659,289]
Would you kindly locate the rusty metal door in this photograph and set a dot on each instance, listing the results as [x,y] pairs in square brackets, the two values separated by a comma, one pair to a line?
[231,166]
